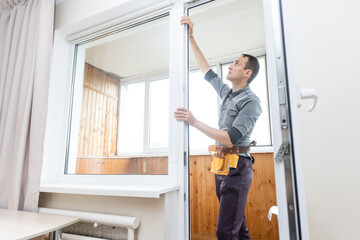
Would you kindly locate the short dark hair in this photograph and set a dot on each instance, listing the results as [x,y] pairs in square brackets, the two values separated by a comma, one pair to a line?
[252,64]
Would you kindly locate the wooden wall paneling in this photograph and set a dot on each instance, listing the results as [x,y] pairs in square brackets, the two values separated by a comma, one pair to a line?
[96,130]
[203,200]
[102,120]
[81,138]
[140,166]
[155,165]
[88,114]
[113,99]
[92,113]
[119,166]
[204,203]
[194,195]
[93,134]
[107,132]
[88,166]
[114,121]
[262,196]
[96,134]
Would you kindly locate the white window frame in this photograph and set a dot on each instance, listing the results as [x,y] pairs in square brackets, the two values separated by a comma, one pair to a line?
[147,150]
[174,185]
[65,41]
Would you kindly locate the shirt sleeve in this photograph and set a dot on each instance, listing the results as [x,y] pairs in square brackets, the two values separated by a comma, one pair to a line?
[234,134]
[246,119]
[220,87]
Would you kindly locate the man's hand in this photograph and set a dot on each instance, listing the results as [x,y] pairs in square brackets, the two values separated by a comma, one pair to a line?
[183,114]
[199,57]
[187,20]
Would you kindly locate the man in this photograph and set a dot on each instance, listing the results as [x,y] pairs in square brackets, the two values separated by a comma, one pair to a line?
[240,108]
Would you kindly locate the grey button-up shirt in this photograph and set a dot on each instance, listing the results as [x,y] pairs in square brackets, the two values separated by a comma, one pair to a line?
[238,109]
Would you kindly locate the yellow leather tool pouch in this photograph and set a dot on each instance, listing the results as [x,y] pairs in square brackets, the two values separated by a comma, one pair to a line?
[222,164]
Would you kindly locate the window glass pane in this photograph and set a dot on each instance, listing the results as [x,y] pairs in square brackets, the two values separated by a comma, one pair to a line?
[159,113]
[203,102]
[131,131]
[261,133]
[119,113]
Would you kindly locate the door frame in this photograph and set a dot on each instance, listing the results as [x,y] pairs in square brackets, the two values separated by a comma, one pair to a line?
[290,190]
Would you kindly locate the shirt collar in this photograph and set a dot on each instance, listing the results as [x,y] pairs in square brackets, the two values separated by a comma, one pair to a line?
[233,94]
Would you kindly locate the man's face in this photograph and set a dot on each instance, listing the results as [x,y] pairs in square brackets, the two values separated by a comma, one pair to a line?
[236,70]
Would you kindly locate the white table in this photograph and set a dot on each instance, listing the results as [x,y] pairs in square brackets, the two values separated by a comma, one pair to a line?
[17,225]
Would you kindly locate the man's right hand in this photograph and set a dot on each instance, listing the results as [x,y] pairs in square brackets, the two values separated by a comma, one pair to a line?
[187,20]
[200,59]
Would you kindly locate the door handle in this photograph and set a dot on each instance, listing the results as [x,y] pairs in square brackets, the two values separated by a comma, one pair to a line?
[307,93]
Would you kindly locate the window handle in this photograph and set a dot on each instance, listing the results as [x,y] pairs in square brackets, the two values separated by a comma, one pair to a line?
[307,93]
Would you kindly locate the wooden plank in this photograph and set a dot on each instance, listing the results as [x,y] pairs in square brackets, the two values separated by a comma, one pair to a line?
[155,165]
[196,236]
[88,166]
[102,120]
[99,91]
[194,195]
[106,134]
[81,137]
[95,165]
[119,166]
[114,124]
[91,123]
[88,117]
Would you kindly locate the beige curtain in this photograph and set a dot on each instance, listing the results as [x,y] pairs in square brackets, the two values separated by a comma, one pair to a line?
[26,35]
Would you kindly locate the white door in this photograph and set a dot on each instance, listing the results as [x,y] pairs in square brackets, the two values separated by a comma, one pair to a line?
[288,167]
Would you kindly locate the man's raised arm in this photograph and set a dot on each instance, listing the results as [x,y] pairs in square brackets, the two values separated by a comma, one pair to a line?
[199,56]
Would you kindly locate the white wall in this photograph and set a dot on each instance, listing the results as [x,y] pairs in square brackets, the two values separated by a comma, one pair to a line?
[69,12]
[323,51]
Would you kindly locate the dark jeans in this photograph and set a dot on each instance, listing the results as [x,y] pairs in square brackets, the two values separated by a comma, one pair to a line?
[232,191]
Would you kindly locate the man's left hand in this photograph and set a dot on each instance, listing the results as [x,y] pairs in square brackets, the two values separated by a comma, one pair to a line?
[183,114]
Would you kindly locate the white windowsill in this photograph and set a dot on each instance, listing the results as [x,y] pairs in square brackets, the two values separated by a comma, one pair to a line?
[119,191]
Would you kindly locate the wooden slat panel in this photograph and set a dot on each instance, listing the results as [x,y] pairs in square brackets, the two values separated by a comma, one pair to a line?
[153,165]
[204,204]
[97,138]
[88,166]
[107,127]
[114,127]
[262,196]
[203,200]
[119,166]
[103,117]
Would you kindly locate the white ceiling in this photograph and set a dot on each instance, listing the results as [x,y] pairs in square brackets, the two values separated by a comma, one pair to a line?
[221,28]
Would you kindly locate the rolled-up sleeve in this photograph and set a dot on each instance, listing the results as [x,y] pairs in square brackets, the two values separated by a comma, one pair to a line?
[247,116]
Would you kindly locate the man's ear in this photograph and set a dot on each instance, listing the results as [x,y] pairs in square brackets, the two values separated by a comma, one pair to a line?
[248,72]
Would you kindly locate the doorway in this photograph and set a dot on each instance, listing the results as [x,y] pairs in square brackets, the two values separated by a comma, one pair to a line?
[224,30]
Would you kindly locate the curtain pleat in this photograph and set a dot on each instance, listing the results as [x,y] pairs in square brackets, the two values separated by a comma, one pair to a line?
[26,30]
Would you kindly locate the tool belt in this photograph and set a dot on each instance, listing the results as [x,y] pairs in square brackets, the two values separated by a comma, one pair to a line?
[224,158]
